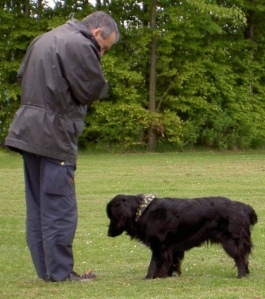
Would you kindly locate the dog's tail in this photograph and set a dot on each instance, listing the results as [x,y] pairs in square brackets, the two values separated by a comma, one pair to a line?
[253,218]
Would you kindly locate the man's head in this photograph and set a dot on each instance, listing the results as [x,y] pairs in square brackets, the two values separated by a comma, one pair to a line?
[103,28]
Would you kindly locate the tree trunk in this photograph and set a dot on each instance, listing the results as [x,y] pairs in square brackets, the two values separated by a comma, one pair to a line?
[249,34]
[152,85]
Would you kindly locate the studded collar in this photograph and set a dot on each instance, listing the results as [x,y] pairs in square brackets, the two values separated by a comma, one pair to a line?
[145,202]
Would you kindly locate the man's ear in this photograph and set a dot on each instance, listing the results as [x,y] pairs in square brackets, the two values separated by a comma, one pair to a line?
[96,31]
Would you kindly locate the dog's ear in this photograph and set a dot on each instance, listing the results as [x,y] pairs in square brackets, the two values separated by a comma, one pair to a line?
[119,201]
[117,208]
[117,204]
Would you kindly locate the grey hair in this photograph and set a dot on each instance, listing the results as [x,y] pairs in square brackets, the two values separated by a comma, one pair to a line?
[100,19]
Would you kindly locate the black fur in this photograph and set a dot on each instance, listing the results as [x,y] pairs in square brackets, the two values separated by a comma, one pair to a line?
[170,226]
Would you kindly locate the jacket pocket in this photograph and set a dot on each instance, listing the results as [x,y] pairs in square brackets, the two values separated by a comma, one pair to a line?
[58,177]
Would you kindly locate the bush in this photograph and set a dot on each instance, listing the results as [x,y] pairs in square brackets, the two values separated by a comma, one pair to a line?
[127,125]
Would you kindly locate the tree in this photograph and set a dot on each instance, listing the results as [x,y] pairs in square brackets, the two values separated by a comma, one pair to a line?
[152,85]
[190,72]
[17,28]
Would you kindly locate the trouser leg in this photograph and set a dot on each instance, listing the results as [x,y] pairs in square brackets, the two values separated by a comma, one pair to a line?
[33,214]
[58,216]
[51,215]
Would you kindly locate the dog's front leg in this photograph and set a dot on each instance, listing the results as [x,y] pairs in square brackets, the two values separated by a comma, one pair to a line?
[152,269]
[160,263]
[176,265]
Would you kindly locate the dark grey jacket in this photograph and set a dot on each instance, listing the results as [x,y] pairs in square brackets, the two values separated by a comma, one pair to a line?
[60,75]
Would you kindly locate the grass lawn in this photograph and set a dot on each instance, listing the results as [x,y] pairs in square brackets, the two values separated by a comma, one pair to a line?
[119,262]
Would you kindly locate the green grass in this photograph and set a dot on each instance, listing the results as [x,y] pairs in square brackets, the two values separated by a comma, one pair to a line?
[119,262]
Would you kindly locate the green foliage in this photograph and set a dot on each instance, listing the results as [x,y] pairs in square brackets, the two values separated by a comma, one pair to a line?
[122,124]
[211,75]
[210,82]
[125,83]
[17,29]
[126,125]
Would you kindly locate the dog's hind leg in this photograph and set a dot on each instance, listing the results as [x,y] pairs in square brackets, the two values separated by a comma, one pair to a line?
[239,252]
[242,267]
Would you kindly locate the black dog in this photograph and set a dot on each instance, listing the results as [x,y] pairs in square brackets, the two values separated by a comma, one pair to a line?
[170,226]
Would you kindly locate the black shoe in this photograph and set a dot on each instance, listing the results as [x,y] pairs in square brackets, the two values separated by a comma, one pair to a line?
[73,276]
[47,279]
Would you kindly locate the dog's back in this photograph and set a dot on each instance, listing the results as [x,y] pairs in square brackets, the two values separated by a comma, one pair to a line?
[227,207]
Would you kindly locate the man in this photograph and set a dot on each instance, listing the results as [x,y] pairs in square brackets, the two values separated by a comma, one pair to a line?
[59,76]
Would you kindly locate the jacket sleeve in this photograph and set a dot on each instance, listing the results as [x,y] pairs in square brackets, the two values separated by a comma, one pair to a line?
[82,70]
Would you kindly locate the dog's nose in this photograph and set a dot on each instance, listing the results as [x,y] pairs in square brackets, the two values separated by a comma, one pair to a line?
[111,233]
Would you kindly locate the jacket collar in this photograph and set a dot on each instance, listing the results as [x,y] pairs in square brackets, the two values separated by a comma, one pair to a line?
[84,31]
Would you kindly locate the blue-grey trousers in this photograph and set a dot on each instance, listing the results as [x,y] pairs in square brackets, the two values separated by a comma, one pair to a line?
[51,215]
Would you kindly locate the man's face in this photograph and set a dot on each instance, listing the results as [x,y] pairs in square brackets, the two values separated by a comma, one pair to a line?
[105,44]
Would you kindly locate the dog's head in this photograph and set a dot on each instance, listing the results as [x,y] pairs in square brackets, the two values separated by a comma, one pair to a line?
[121,210]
